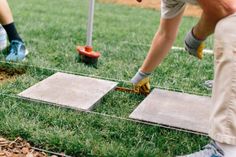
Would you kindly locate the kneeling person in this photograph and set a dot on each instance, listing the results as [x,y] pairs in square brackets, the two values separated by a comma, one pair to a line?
[17,50]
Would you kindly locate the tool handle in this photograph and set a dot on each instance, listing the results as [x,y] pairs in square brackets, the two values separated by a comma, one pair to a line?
[90,23]
[122,89]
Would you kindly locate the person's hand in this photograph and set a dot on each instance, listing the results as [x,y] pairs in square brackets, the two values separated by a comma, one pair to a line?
[143,86]
[141,83]
[193,45]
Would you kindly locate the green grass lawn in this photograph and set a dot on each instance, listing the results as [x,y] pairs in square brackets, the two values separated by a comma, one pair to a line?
[51,30]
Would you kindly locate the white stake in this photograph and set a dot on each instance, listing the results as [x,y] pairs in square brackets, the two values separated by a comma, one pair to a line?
[90,23]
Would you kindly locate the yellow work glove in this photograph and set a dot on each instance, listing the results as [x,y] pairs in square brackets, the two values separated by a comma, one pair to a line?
[193,45]
[143,87]
[141,83]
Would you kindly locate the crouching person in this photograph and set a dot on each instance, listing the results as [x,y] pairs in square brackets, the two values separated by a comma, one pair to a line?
[17,50]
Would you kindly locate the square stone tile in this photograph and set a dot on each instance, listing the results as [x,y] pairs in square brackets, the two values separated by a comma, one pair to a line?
[72,91]
[174,109]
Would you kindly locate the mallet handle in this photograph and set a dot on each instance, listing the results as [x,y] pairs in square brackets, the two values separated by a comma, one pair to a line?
[90,23]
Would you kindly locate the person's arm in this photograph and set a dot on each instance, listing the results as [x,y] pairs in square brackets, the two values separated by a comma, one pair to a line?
[213,11]
[161,43]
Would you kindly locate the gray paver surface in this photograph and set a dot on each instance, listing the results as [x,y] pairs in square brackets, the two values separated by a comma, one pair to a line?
[174,109]
[67,90]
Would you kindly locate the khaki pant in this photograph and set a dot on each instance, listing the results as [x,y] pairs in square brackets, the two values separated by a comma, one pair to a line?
[223,118]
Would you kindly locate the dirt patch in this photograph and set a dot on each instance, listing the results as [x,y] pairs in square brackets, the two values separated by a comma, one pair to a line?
[20,148]
[17,148]
[8,73]
[191,10]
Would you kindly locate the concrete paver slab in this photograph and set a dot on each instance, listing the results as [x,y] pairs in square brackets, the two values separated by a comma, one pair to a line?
[67,90]
[174,109]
